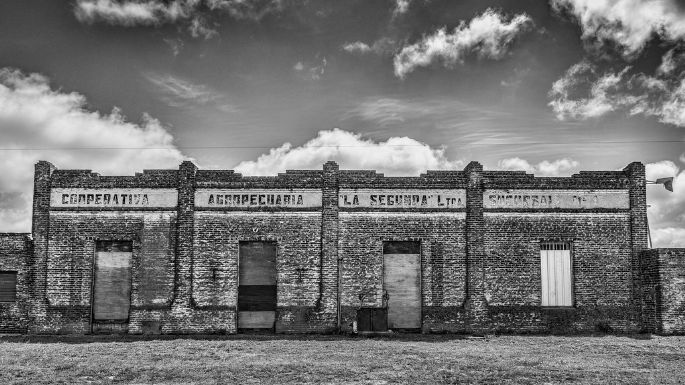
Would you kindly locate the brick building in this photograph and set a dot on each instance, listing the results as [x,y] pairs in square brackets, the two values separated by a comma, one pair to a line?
[212,251]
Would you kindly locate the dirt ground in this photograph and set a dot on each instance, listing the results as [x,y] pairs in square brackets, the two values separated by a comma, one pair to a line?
[410,359]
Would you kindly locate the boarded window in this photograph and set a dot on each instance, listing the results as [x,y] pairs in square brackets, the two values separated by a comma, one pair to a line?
[112,285]
[555,268]
[257,285]
[8,286]
[402,283]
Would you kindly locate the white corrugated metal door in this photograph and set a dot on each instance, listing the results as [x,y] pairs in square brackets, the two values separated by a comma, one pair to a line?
[555,271]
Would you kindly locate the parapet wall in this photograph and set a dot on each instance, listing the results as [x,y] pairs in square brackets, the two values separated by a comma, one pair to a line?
[480,236]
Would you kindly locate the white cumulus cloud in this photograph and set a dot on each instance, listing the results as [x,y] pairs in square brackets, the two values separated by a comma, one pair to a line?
[666,209]
[585,92]
[41,123]
[401,6]
[603,92]
[195,14]
[488,35]
[558,167]
[625,26]
[357,47]
[630,24]
[396,156]
[129,13]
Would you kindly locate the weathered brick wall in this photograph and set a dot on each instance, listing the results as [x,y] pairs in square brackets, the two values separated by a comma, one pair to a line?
[664,290]
[651,290]
[15,251]
[215,262]
[65,249]
[601,260]
[69,270]
[601,242]
[306,262]
[480,266]
[443,262]
[441,232]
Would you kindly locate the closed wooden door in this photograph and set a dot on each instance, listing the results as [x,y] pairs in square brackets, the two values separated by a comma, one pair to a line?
[112,281]
[402,283]
[257,285]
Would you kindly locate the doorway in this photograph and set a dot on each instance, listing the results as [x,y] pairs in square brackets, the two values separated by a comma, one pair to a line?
[111,286]
[257,286]
[402,283]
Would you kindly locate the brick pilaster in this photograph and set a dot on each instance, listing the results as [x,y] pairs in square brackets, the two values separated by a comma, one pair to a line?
[476,305]
[186,224]
[40,230]
[638,229]
[328,300]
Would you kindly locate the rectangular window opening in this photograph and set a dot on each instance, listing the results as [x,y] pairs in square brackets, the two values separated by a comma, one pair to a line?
[556,273]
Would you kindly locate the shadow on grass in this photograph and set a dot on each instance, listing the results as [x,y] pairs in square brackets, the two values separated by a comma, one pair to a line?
[409,337]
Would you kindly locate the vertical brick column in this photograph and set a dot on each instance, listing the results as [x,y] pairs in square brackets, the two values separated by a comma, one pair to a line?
[40,230]
[651,291]
[329,283]
[186,223]
[638,229]
[476,305]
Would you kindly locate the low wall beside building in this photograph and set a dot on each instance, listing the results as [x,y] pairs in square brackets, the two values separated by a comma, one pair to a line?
[15,250]
[664,290]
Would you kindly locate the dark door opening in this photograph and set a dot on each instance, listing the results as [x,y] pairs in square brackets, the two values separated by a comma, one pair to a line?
[257,286]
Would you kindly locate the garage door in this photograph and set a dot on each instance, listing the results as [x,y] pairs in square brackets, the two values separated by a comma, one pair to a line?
[257,285]
[112,285]
[402,280]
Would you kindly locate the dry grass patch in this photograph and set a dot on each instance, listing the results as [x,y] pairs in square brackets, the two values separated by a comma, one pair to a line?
[331,359]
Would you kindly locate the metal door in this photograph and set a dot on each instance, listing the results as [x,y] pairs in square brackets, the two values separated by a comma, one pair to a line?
[555,271]
[402,283]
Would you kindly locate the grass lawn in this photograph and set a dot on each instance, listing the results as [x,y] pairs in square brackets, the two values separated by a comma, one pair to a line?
[419,359]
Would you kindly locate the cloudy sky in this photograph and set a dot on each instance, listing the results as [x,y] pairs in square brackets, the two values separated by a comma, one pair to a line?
[401,86]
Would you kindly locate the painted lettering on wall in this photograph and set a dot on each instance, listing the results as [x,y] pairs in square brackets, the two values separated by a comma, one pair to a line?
[508,200]
[565,199]
[255,200]
[85,198]
[300,198]
[435,199]
[106,199]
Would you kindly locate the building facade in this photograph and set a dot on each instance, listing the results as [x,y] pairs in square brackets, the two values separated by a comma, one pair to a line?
[212,251]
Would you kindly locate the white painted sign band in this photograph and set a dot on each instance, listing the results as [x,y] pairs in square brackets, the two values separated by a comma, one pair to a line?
[296,198]
[558,199]
[414,198]
[114,198]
